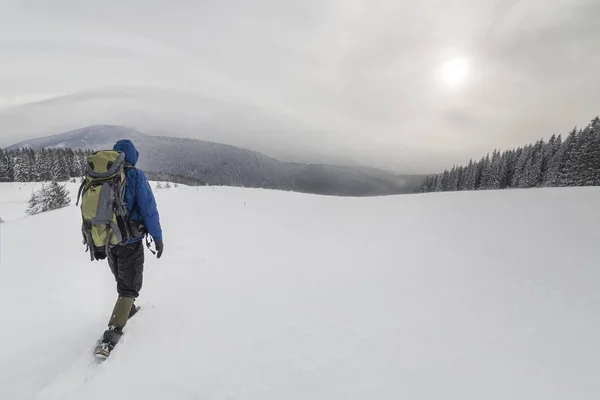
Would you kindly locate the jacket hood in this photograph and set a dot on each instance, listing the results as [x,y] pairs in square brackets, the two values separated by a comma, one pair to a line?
[127,147]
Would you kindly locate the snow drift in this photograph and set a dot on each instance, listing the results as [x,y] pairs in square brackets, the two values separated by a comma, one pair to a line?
[274,295]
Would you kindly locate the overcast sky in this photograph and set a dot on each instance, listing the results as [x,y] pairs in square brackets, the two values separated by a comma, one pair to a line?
[367,72]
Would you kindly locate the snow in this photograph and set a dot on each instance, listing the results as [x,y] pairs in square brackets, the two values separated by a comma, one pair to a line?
[274,295]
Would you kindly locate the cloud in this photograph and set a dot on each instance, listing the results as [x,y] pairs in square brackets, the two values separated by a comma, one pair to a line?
[362,72]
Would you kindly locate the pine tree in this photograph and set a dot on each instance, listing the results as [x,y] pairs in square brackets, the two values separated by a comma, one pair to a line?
[534,172]
[79,163]
[496,170]
[507,168]
[58,196]
[444,181]
[20,172]
[555,162]
[41,165]
[437,184]
[588,163]
[30,160]
[482,173]
[470,176]
[64,171]
[568,167]
[57,165]
[547,153]
[454,178]
[593,161]
[519,179]
[10,160]
[421,188]
[49,198]
[464,176]
[4,173]
[36,201]
[584,142]
[491,172]
[36,168]
[83,162]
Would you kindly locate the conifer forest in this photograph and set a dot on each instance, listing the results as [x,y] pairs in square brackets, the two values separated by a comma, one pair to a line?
[570,161]
[27,165]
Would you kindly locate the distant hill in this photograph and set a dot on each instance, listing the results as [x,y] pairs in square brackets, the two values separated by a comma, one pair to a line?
[176,113]
[220,164]
[96,136]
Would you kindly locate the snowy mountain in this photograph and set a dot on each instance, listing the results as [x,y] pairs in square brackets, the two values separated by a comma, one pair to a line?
[90,137]
[220,164]
[174,113]
[273,295]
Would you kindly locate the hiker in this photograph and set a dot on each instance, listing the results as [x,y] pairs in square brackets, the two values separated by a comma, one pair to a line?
[125,258]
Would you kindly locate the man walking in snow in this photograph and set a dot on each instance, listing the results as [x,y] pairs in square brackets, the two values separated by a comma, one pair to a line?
[127,261]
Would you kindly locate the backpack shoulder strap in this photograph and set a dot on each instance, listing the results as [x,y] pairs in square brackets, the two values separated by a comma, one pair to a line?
[79,192]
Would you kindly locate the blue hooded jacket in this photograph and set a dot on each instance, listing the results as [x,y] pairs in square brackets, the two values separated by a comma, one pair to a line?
[138,193]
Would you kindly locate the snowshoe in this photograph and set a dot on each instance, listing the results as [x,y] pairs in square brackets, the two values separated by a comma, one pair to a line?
[111,337]
[109,341]
[103,350]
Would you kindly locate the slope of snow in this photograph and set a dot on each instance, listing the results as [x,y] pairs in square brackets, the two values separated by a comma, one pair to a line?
[273,295]
[14,198]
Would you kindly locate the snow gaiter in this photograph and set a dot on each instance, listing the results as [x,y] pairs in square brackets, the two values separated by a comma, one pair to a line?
[121,312]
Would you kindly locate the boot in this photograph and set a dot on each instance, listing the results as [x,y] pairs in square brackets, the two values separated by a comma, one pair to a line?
[109,341]
[112,336]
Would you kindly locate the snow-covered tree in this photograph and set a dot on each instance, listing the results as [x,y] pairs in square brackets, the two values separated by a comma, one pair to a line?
[490,178]
[568,167]
[4,170]
[556,157]
[20,168]
[49,198]
[470,177]
[588,165]
[42,165]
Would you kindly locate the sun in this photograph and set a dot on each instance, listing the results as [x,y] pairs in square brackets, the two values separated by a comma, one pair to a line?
[455,71]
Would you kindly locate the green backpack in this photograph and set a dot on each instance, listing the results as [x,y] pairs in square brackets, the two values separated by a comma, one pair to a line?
[105,221]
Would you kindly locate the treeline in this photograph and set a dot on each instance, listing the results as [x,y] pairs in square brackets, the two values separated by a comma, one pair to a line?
[27,165]
[574,161]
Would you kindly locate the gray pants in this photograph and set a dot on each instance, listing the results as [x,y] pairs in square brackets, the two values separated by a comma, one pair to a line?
[127,265]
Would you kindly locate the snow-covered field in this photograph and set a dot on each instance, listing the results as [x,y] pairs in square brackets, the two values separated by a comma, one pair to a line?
[274,295]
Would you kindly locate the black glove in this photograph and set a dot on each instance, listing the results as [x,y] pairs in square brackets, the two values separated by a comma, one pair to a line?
[159,249]
[99,255]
